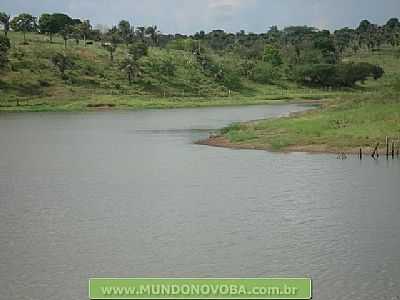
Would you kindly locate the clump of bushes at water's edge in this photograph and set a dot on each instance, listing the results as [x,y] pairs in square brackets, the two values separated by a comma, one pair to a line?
[341,75]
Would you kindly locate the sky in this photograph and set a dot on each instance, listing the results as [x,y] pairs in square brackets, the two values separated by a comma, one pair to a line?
[190,16]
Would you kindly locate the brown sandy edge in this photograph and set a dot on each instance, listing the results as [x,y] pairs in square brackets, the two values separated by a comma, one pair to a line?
[223,142]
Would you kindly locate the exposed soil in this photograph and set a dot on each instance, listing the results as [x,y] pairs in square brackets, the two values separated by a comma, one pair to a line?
[221,141]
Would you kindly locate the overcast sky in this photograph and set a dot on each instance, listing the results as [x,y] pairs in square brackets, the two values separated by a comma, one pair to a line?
[189,16]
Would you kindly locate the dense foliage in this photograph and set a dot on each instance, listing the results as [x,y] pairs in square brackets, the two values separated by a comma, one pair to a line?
[340,75]
[4,47]
[301,54]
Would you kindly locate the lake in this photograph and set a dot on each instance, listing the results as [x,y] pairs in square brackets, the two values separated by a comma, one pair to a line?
[128,194]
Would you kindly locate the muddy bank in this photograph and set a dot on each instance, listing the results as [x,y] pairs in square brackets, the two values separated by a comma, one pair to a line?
[223,142]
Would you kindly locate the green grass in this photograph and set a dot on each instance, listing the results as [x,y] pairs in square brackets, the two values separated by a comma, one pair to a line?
[358,118]
[33,84]
[337,128]
[348,118]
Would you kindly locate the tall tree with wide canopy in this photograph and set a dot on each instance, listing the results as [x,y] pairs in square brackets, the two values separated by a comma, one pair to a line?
[25,23]
[54,23]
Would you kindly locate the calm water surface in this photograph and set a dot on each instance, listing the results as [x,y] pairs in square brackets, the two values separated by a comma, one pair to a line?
[123,194]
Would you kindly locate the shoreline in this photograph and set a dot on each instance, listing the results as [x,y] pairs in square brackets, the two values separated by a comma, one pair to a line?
[223,142]
[173,103]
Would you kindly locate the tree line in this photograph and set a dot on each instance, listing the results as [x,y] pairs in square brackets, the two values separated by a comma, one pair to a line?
[298,52]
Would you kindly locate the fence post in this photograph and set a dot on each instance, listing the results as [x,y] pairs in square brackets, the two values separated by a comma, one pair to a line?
[387,147]
[375,151]
[392,149]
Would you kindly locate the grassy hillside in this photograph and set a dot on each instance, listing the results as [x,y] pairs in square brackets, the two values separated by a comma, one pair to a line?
[32,83]
[351,120]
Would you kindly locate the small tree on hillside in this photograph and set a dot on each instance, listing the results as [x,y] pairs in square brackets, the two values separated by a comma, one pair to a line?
[131,63]
[112,39]
[125,31]
[131,67]
[84,29]
[62,62]
[66,33]
[25,23]
[138,50]
[153,32]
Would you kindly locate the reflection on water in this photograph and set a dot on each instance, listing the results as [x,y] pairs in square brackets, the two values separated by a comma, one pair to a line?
[122,194]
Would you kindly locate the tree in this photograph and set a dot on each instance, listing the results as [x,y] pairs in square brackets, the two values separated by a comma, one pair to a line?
[153,32]
[62,62]
[341,75]
[131,67]
[324,42]
[131,63]
[4,47]
[66,33]
[167,67]
[5,21]
[84,30]
[368,34]
[54,23]
[111,48]
[392,32]
[272,55]
[343,38]
[45,25]
[125,30]
[295,36]
[25,23]
[112,39]
[138,50]
[393,23]
[140,32]
[264,73]
[273,35]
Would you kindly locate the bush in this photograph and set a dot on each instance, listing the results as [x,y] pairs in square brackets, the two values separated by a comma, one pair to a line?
[342,75]
[272,55]
[231,79]
[264,73]
[62,62]
[4,47]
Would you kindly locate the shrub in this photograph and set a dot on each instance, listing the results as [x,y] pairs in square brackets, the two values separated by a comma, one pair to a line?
[272,55]
[62,62]
[4,47]
[342,75]
[264,73]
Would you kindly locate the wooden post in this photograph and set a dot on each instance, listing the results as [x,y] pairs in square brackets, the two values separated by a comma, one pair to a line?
[387,147]
[375,151]
[361,154]
[393,150]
